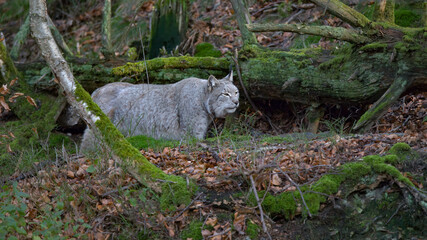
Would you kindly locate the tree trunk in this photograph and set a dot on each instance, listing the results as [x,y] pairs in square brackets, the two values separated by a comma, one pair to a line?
[7,68]
[122,151]
[168,27]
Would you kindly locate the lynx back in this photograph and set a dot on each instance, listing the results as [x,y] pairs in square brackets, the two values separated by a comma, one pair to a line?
[170,111]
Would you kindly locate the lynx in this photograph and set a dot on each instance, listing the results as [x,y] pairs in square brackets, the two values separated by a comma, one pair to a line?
[170,111]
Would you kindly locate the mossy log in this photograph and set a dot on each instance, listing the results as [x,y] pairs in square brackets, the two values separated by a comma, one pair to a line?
[349,75]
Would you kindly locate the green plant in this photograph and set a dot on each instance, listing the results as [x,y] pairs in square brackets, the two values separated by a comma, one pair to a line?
[252,230]
[336,126]
[146,142]
[206,50]
[12,212]
[194,231]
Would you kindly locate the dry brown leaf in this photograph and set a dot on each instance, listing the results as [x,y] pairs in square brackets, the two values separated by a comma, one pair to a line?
[212,221]
[276,180]
[4,90]
[31,101]
[206,233]
[81,172]
[70,174]
[16,95]
[4,104]
[11,134]
[239,222]
[13,81]
[8,148]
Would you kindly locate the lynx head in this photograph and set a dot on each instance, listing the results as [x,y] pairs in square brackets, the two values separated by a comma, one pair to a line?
[223,96]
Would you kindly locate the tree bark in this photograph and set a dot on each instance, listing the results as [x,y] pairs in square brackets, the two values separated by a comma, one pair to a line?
[243,18]
[122,151]
[344,12]
[339,33]
[106,30]
[7,68]
[168,26]
[384,11]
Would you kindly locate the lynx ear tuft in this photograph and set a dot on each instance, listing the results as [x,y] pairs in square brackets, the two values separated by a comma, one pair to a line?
[212,82]
[229,77]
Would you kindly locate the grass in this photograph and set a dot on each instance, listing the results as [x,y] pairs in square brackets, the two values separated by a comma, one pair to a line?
[145,142]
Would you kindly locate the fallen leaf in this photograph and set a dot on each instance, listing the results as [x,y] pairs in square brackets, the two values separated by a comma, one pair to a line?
[239,222]
[13,81]
[212,221]
[70,174]
[276,180]
[31,101]
[4,104]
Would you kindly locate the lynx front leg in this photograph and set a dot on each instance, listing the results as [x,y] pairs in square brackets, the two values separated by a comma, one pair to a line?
[200,127]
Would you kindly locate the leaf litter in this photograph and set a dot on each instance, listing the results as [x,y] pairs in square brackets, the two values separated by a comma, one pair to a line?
[101,194]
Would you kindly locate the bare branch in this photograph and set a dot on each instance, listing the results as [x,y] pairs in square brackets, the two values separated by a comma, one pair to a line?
[339,33]
[261,212]
[344,12]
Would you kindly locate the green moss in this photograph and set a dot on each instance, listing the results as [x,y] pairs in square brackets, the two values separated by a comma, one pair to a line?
[193,231]
[378,165]
[372,159]
[377,46]
[334,62]
[206,50]
[391,159]
[276,139]
[328,183]
[406,17]
[283,204]
[401,150]
[33,141]
[7,66]
[145,142]
[390,170]
[132,53]
[58,140]
[313,201]
[355,170]
[252,230]
[210,63]
[304,41]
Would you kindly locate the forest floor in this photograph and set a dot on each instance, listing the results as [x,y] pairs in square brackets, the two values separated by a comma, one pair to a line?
[93,197]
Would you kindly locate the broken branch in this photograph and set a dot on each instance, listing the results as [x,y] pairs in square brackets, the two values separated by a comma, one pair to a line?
[339,33]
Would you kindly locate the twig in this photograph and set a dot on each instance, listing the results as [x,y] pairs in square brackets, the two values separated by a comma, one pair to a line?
[220,233]
[293,16]
[299,190]
[395,212]
[121,189]
[209,149]
[265,117]
[186,208]
[143,55]
[259,203]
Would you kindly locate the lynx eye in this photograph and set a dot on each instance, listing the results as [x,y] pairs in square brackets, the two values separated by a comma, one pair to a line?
[226,94]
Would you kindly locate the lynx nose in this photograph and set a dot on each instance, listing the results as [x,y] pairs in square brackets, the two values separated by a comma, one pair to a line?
[236,101]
